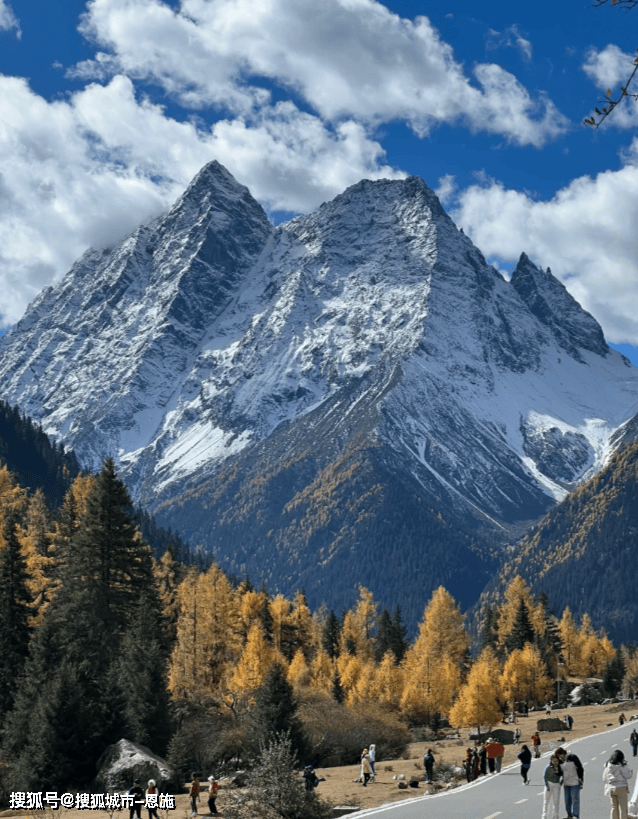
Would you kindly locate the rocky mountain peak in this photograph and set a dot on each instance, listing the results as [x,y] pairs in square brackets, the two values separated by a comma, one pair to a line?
[549,300]
[366,347]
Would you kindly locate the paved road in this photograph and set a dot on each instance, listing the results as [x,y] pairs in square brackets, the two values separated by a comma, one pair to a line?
[504,795]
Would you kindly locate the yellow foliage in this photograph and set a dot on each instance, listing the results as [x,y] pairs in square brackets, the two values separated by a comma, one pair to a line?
[442,631]
[256,658]
[525,678]
[298,672]
[388,681]
[323,669]
[478,700]
[358,624]
[571,640]
[208,641]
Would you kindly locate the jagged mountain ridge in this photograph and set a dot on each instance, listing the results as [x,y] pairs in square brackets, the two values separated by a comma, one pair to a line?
[367,344]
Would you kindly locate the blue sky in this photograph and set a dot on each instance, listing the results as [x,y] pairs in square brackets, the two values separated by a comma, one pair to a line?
[111,106]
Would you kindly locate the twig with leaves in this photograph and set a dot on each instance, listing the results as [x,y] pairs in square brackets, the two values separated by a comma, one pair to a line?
[608,104]
[611,104]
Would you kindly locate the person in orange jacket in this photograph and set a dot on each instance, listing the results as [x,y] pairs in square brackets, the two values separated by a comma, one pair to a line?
[537,744]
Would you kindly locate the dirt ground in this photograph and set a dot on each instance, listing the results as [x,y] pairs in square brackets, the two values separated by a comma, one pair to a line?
[340,786]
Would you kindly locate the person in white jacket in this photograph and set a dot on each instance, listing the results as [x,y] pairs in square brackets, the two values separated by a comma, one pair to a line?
[616,776]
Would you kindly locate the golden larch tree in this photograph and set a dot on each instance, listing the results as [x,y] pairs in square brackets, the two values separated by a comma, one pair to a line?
[478,701]
[525,678]
[571,641]
[298,673]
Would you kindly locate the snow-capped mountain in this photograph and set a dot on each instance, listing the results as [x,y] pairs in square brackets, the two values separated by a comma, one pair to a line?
[231,365]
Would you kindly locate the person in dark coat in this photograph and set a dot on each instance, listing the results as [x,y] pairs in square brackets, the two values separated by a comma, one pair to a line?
[483,760]
[525,757]
[469,765]
[138,800]
[428,764]
[633,740]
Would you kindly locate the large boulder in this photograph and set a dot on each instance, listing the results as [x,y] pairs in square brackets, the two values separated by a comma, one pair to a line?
[501,735]
[550,724]
[124,762]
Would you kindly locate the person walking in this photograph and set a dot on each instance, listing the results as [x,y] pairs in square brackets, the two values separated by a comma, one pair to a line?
[193,794]
[573,781]
[212,795]
[372,753]
[536,742]
[428,764]
[633,740]
[517,736]
[616,776]
[151,799]
[553,778]
[525,757]
[366,770]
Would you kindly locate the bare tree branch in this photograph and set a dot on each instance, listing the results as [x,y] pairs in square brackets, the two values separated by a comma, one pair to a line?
[608,104]
[628,4]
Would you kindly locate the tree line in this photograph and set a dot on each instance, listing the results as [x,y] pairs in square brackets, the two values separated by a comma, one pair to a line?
[101,640]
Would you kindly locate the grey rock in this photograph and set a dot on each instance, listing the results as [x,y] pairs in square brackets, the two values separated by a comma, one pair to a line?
[124,762]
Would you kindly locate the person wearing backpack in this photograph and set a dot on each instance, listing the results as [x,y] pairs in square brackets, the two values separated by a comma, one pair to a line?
[428,764]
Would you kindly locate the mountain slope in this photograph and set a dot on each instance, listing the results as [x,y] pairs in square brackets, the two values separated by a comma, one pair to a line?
[583,553]
[354,391]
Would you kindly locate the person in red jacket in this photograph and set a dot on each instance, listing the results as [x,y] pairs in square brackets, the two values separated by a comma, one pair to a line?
[490,747]
[499,752]
[537,744]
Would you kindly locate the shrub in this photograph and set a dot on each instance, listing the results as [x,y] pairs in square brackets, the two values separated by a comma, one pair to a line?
[275,789]
[337,734]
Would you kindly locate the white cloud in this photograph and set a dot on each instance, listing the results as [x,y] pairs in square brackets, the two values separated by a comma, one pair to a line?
[446,191]
[8,20]
[585,233]
[511,38]
[86,171]
[610,69]
[348,58]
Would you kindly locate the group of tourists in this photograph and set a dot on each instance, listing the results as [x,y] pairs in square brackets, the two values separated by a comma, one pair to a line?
[194,793]
[368,757]
[486,757]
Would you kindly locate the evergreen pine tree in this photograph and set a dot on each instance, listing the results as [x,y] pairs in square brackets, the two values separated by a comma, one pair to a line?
[14,611]
[613,675]
[384,637]
[107,568]
[141,673]
[109,556]
[489,629]
[399,642]
[330,636]
[275,712]
[549,642]
[338,694]
[522,631]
